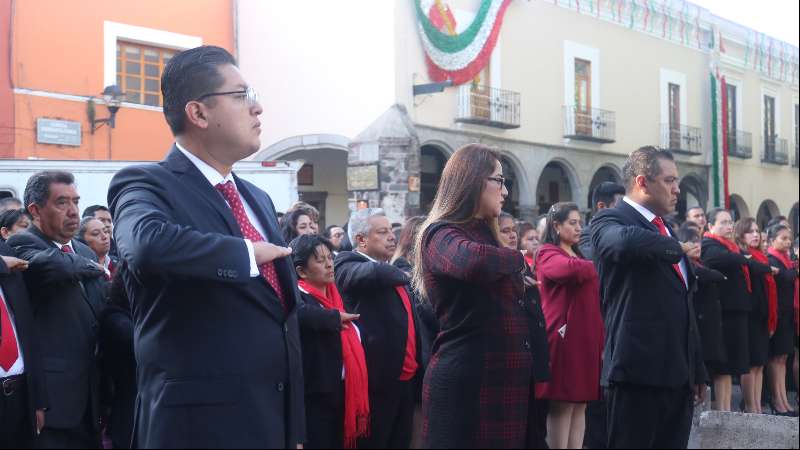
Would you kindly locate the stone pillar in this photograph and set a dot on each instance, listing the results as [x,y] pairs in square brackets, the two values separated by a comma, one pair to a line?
[383,166]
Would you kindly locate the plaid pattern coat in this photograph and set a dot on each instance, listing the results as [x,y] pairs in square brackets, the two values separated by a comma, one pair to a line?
[478,384]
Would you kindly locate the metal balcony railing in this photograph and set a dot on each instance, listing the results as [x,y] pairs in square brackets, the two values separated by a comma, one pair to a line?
[682,139]
[594,125]
[488,106]
[776,151]
[740,144]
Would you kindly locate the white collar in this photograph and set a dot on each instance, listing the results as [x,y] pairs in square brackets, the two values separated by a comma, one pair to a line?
[648,215]
[68,244]
[367,256]
[209,172]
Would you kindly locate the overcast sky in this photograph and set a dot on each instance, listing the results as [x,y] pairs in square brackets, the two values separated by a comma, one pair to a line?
[777,18]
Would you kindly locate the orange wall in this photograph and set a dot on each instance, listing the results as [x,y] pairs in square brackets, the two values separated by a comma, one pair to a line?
[58,48]
[6,91]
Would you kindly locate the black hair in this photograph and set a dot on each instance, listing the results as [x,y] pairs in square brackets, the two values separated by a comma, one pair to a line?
[559,213]
[688,233]
[776,221]
[7,201]
[644,162]
[688,210]
[712,215]
[89,212]
[189,75]
[290,223]
[774,231]
[304,247]
[327,233]
[10,217]
[605,192]
[37,191]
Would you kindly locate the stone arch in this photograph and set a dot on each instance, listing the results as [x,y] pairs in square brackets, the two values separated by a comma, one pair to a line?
[520,198]
[767,211]
[558,182]
[433,157]
[693,193]
[739,207]
[324,142]
[605,173]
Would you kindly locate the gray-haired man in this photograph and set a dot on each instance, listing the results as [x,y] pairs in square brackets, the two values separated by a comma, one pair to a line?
[378,291]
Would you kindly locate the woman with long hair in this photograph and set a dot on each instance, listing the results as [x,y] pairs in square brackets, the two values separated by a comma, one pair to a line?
[478,386]
[570,290]
[297,223]
[782,343]
[763,318]
[720,252]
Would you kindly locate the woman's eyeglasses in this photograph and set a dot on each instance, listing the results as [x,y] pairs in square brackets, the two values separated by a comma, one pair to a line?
[501,180]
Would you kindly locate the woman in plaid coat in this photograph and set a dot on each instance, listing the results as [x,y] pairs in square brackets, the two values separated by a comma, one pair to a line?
[478,387]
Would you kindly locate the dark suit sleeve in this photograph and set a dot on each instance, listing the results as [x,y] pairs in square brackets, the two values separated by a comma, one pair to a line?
[707,275]
[318,319]
[47,264]
[785,275]
[718,257]
[151,240]
[359,275]
[617,241]
[756,268]
[585,244]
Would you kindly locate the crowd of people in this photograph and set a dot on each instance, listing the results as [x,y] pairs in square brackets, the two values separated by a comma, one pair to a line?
[189,313]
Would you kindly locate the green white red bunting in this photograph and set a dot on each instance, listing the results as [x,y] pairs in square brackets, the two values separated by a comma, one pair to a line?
[458,57]
[719,140]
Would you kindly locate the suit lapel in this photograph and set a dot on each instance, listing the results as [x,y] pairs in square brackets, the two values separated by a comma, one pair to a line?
[180,165]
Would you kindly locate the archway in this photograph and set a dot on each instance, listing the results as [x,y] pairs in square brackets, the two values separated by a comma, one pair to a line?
[692,195]
[766,212]
[432,162]
[511,204]
[603,175]
[555,185]
[794,219]
[322,183]
[739,208]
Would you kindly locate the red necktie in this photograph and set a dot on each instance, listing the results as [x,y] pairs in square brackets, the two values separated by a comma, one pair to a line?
[9,353]
[66,249]
[659,222]
[228,190]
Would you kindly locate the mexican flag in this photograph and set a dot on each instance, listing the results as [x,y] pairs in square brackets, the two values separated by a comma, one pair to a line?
[458,56]
[719,141]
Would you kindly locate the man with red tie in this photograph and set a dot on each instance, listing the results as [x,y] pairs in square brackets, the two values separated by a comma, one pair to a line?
[24,394]
[66,287]
[214,295]
[652,368]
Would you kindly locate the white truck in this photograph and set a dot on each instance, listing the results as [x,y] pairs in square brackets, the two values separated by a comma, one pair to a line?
[278,179]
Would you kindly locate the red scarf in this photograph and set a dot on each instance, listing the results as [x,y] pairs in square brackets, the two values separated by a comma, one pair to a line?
[772,289]
[356,381]
[783,257]
[733,248]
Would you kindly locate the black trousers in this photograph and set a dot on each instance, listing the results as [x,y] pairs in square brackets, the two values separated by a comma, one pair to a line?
[645,417]
[392,411]
[325,419]
[16,429]
[596,436]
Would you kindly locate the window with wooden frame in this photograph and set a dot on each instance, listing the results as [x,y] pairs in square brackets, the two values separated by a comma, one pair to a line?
[139,69]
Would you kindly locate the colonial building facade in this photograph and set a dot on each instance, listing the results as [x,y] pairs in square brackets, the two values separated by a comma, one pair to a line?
[565,89]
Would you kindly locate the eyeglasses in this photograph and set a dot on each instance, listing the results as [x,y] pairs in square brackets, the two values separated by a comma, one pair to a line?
[501,180]
[250,95]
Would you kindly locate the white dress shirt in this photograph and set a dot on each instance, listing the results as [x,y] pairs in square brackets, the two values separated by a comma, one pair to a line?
[216,178]
[18,368]
[649,216]
[68,244]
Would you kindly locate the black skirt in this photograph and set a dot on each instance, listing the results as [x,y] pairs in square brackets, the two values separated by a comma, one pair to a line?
[759,339]
[782,342]
[735,334]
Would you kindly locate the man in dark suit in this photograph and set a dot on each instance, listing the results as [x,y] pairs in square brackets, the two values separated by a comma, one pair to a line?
[24,394]
[378,292]
[652,365]
[216,334]
[66,287]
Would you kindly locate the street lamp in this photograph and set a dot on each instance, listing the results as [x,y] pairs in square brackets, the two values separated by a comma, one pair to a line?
[112,96]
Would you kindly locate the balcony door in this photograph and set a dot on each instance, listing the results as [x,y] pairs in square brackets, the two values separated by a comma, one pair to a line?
[674,116]
[583,97]
[481,95]
[769,127]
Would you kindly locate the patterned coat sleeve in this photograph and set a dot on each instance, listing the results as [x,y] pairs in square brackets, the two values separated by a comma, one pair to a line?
[451,252]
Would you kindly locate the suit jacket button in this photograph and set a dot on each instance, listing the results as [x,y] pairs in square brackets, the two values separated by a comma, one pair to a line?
[280,387]
[286,328]
[234,274]
[527,345]
[220,272]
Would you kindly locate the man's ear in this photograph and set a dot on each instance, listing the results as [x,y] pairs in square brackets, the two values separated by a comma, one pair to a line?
[5,233]
[641,182]
[34,210]
[601,205]
[197,114]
